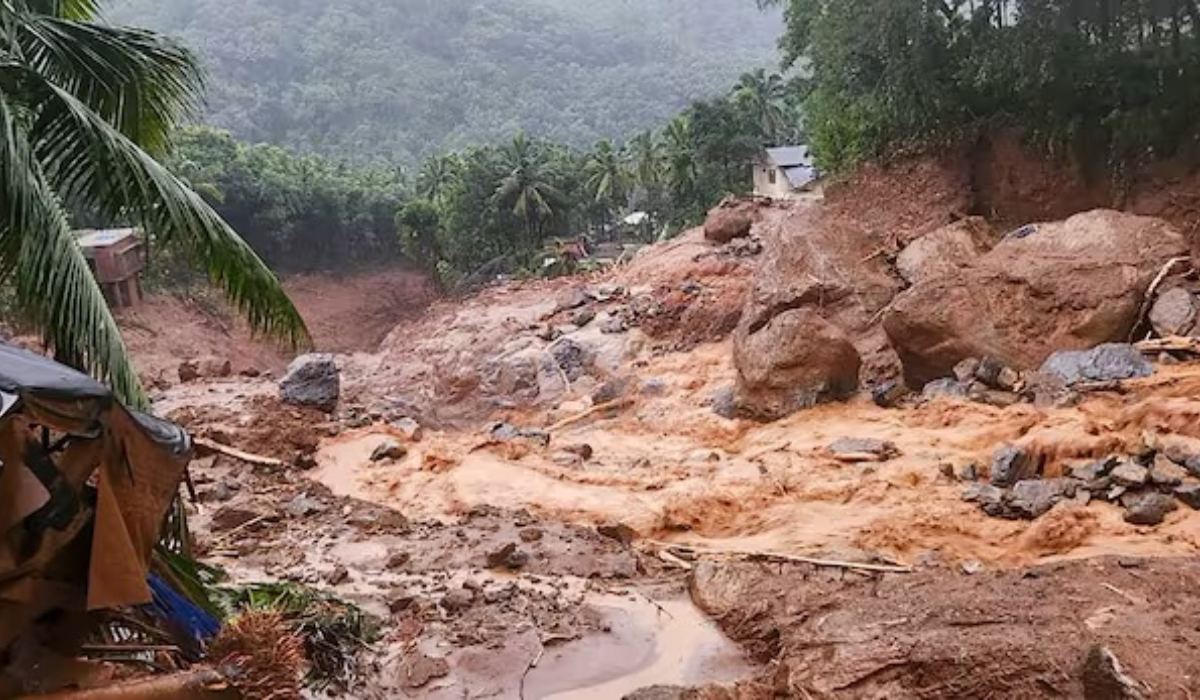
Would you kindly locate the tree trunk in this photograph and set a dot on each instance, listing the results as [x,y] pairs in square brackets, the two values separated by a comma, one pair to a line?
[196,685]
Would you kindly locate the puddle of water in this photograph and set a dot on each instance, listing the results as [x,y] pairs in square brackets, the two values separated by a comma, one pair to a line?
[647,646]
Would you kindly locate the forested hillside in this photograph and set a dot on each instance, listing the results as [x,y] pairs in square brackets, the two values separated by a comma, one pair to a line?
[404,79]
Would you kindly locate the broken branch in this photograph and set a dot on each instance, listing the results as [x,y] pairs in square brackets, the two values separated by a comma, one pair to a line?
[217,447]
[1149,299]
[610,405]
[823,563]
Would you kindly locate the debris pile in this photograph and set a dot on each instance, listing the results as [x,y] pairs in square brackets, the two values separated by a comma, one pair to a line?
[1148,486]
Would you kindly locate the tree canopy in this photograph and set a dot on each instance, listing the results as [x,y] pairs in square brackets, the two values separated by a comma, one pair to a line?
[406,79]
[1114,81]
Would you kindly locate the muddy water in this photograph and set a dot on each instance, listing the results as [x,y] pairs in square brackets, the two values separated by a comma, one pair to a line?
[664,643]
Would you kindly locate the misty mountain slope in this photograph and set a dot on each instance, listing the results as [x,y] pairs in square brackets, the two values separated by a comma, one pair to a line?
[405,78]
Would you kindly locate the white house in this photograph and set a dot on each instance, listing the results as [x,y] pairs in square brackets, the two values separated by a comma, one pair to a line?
[784,172]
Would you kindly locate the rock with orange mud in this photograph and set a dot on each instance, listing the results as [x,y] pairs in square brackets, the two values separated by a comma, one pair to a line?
[795,361]
[808,321]
[929,634]
[729,220]
[945,250]
[1060,286]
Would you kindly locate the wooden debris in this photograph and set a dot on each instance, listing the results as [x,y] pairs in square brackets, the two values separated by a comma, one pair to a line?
[210,446]
[1148,301]
[676,550]
[600,408]
[1171,344]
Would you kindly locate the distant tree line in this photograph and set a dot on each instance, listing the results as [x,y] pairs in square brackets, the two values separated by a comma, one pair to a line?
[1113,82]
[501,204]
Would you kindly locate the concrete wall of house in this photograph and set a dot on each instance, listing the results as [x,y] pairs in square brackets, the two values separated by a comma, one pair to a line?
[770,181]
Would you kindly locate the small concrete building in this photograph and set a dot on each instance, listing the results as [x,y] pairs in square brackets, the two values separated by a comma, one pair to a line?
[785,172]
[117,258]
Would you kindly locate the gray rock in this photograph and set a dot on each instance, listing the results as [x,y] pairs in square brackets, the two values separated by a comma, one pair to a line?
[570,357]
[724,403]
[1031,499]
[1094,470]
[654,387]
[614,389]
[457,600]
[569,299]
[1165,473]
[1104,363]
[388,449]
[969,472]
[302,506]
[505,432]
[613,325]
[1189,495]
[312,380]
[1130,475]
[1174,313]
[1011,464]
[1148,508]
[409,428]
[965,371]
[606,292]
[1104,679]
[989,498]
[888,394]
[583,317]
[659,692]
[864,449]
[945,388]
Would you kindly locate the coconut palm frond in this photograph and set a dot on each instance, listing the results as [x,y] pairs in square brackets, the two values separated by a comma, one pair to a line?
[90,161]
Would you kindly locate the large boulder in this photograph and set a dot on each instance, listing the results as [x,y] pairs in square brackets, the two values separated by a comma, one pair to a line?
[795,361]
[945,250]
[723,225]
[807,328]
[312,380]
[1068,285]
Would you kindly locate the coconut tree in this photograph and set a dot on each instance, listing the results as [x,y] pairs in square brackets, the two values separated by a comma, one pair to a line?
[527,189]
[762,96]
[85,110]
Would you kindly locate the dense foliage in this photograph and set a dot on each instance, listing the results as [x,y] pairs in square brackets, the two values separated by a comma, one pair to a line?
[405,79]
[502,204]
[299,212]
[1114,80]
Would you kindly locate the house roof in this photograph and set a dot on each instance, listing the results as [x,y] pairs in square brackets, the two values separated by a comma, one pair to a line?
[789,156]
[104,238]
[800,175]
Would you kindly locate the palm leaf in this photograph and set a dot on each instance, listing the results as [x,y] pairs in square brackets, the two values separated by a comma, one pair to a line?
[91,162]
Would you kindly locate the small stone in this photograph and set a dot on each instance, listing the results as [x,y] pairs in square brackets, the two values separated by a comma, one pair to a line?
[189,371]
[654,387]
[302,506]
[1092,471]
[1031,499]
[409,428]
[888,394]
[972,567]
[584,451]
[531,534]
[1189,495]
[724,403]
[1174,313]
[1011,464]
[988,371]
[499,595]
[418,668]
[398,560]
[614,390]
[945,388]
[389,449]
[583,317]
[1149,509]
[863,450]
[947,470]
[1115,494]
[457,600]
[970,472]
[1128,474]
[548,333]
[613,325]
[606,292]
[989,498]
[312,380]
[569,299]
[1105,679]
[618,531]
[338,576]
[219,493]
[1007,379]
[507,557]
[966,370]
[1165,473]
[399,605]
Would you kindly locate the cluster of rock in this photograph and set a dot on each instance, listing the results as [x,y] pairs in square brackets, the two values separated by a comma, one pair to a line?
[1148,486]
[1028,301]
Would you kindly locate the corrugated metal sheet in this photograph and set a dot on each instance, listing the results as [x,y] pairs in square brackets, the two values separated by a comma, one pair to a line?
[789,156]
